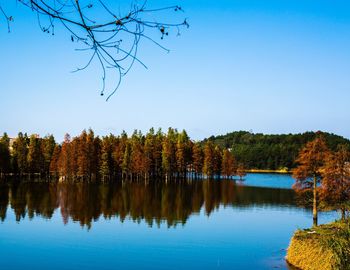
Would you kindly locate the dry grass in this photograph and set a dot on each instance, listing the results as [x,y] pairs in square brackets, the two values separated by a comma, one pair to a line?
[281,171]
[326,247]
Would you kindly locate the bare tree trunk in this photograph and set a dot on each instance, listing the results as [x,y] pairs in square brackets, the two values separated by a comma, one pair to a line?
[343,214]
[314,209]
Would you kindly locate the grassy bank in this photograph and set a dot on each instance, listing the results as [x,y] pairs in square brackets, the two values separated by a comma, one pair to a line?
[282,171]
[321,248]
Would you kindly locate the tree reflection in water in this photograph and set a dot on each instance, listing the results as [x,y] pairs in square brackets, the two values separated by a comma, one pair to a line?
[153,201]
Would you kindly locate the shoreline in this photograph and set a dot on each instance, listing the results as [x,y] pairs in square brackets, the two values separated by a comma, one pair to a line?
[314,248]
[269,171]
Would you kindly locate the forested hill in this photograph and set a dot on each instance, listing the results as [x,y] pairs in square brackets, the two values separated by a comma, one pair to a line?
[260,151]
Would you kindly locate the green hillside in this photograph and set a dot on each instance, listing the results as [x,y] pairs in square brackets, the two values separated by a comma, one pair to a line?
[260,151]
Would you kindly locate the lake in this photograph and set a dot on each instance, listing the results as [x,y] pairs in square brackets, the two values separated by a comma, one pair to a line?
[193,224]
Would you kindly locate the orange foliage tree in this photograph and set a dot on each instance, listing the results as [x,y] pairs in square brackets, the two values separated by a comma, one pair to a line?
[308,173]
[153,155]
[228,167]
[335,190]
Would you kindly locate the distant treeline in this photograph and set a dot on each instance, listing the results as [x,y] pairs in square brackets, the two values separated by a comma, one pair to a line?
[89,157]
[155,154]
[259,151]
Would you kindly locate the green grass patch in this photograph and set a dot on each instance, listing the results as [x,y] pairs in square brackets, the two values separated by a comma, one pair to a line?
[321,248]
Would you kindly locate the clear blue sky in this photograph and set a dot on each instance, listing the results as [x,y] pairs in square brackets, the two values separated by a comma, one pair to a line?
[266,66]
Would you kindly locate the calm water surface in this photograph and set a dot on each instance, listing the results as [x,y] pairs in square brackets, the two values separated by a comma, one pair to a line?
[154,225]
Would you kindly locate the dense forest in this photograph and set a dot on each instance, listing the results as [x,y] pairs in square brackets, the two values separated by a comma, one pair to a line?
[153,155]
[88,157]
[260,151]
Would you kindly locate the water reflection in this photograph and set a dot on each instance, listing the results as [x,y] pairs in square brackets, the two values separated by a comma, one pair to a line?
[152,201]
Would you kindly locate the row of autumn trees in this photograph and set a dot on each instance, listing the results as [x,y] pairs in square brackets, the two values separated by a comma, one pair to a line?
[324,176]
[26,155]
[86,157]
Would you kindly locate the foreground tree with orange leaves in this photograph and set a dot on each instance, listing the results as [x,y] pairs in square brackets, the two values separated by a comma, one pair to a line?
[308,174]
[335,190]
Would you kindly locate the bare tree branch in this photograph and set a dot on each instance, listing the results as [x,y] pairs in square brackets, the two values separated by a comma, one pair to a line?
[8,19]
[112,39]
